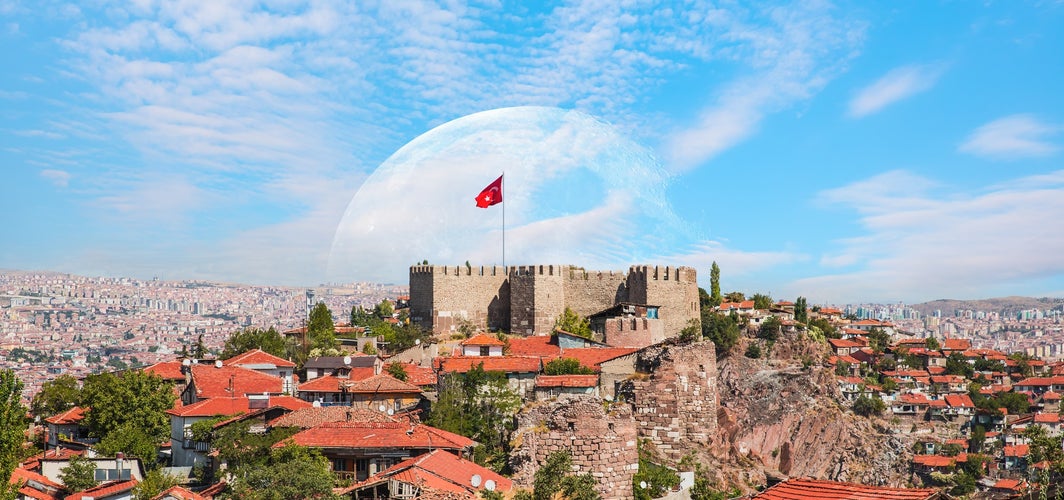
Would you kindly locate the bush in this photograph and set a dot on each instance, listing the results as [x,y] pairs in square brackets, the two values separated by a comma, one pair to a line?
[866,406]
[753,351]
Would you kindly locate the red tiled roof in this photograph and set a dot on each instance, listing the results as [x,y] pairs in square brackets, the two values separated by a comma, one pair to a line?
[844,343]
[592,357]
[509,364]
[913,399]
[69,417]
[567,381]
[811,489]
[1042,381]
[378,435]
[482,339]
[232,406]
[1009,484]
[1046,418]
[419,375]
[382,383]
[104,490]
[178,493]
[51,490]
[445,471]
[314,416]
[537,345]
[212,382]
[1020,450]
[259,357]
[934,460]
[959,401]
[168,370]
[956,344]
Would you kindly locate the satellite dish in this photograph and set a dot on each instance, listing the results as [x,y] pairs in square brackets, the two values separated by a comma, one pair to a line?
[347,360]
[186,362]
[217,363]
[643,484]
[391,411]
[417,341]
[489,485]
[475,480]
[381,408]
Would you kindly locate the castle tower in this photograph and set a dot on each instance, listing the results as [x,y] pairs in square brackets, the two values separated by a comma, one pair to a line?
[537,298]
[674,289]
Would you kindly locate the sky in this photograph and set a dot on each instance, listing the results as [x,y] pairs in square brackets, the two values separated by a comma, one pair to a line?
[843,151]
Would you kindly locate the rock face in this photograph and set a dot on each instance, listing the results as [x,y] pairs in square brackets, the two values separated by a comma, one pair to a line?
[782,417]
[602,442]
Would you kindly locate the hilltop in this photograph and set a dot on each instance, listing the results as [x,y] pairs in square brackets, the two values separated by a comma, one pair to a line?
[1003,305]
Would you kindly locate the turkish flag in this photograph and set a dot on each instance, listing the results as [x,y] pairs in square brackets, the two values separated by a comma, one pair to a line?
[491,194]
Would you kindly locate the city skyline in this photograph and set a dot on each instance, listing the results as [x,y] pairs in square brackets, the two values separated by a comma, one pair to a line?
[844,152]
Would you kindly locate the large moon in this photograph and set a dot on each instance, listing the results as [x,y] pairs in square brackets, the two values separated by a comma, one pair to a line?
[576,191]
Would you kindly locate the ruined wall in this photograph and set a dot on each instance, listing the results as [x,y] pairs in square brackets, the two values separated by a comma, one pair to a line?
[675,289]
[588,292]
[675,405]
[602,443]
[633,332]
[537,298]
[442,296]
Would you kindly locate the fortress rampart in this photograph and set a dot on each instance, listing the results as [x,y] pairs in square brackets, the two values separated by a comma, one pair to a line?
[527,299]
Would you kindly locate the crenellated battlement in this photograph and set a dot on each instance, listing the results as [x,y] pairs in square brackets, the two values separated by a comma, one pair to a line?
[433,269]
[665,273]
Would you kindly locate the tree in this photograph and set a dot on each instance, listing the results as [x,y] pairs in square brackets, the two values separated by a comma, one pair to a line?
[714,285]
[359,316]
[566,366]
[396,370]
[722,329]
[658,478]
[762,301]
[12,422]
[957,364]
[132,405]
[242,341]
[770,328]
[56,396]
[79,474]
[133,441]
[555,476]
[734,297]
[801,310]
[826,327]
[155,482]
[571,322]
[291,473]
[479,405]
[692,332]
[320,329]
[932,344]
[199,349]
[753,351]
[878,340]
[384,309]
[868,405]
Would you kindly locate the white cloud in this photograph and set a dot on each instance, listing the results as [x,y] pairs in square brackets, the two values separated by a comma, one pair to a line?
[898,84]
[60,178]
[923,242]
[739,263]
[1014,136]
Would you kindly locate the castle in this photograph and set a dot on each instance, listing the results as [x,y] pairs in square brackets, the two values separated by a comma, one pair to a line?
[528,299]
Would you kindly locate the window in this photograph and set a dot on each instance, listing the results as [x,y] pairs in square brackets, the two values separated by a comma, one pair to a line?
[361,465]
[398,404]
[485,350]
[339,464]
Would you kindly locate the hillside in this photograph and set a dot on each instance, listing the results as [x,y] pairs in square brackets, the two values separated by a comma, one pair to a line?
[1003,305]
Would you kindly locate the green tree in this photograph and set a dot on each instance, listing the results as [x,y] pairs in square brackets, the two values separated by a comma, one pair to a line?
[868,405]
[396,370]
[133,441]
[291,473]
[56,396]
[801,310]
[714,285]
[384,309]
[199,349]
[131,405]
[566,366]
[878,340]
[12,425]
[238,447]
[704,301]
[360,317]
[692,332]
[321,332]
[977,438]
[762,301]
[957,364]
[753,351]
[826,327]
[722,329]
[658,478]
[932,344]
[155,482]
[770,328]
[479,405]
[79,474]
[269,340]
[734,297]
[571,322]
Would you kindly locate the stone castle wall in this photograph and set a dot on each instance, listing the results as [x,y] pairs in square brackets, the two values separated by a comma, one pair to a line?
[527,299]
[602,443]
[676,404]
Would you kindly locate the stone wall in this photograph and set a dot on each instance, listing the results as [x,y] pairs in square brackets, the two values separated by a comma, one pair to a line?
[674,289]
[633,332]
[675,405]
[602,443]
[588,292]
[441,297]
[537,298]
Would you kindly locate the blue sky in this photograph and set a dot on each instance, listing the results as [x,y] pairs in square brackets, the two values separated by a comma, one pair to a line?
[845,151]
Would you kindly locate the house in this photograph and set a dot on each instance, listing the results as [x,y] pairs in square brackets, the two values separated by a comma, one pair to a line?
[926,464]
[815,488]
[744,307]
[221,381]
[185,450]
[1051,422]
[481,345]
[266,363]
[628,325]
[358,450]
[959,405]
[520,371]
[307,418]
[948,384]
[950,345]
[845,347]
[36,486]
[851,387]
[910,404]
[867,325]
[111,490]
[554,386]
[1016,456]
[355,366]
[118,468]
[437,472]
[1040,385]
[1008,486]
[383,391]
[65,428]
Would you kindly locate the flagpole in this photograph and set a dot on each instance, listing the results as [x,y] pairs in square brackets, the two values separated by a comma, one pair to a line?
[503,177]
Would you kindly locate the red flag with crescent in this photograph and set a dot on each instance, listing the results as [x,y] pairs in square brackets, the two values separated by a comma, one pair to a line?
[491,195]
